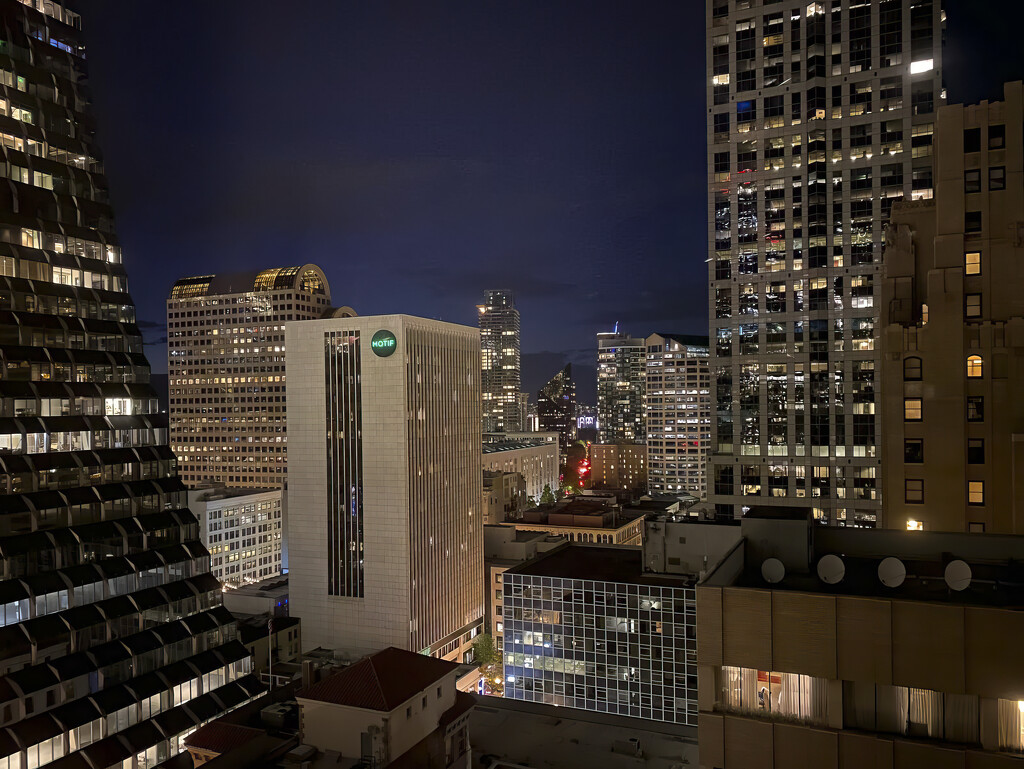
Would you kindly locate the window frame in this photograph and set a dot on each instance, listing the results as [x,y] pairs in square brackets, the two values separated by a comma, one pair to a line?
[908,452]
[913,491]
[976,493]
[907,409]
[908,371]
[992,184]
[972,266]
[968,305]
[975,367]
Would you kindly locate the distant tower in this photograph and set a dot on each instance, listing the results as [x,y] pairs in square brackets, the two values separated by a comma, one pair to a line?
[621,367]
[556,409]
[500,365]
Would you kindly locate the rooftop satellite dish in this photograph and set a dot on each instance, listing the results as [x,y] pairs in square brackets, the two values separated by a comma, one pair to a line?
[831,569]
[892,572]
[958,575]
[773,570]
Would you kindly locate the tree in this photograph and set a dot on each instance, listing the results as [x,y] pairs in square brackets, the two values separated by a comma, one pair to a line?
[530,503]
[548,496]
[489,661]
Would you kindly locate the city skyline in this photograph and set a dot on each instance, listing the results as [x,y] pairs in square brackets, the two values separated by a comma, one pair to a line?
[631,189]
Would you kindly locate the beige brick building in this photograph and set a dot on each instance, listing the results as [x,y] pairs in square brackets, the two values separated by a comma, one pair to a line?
[226,377]
[953,334]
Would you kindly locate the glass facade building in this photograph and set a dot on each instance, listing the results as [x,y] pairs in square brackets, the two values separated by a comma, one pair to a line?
[820,115]
[556,409]
[620,388]
[500,363]
[113,640]
[585,627]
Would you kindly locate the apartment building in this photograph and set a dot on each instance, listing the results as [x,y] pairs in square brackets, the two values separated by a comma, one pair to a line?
[226,371]
[385,527]
[820,115]
[534,456]
[953,337]
[619,466]
[678,409]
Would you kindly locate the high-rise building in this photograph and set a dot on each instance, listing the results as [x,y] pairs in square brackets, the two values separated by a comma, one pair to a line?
[225,367]
[678,414]
[500,366]
[556,409]
[113,641]
[820,116]
[620,388]
[385,527]
[952,339]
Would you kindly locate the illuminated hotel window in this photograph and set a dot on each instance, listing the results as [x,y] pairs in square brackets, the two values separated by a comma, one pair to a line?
[972,263]
[975,367]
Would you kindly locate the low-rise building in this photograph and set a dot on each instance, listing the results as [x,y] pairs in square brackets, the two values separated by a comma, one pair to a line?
[533,455]
[504,496]
[619,466]
[270,640]
[269,597]
[836,647]
[587,519]
[244,530]
[394,708]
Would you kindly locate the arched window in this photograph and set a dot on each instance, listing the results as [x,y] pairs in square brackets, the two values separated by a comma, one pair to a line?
[911,369]
[975,367]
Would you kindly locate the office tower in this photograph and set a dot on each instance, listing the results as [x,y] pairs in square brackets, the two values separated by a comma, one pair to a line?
[556,409]
[244,531]
[831,647]
[620,388]
[226,378]
[952,339]
[385,528]
[500,370]
[678,414]
[113,642]
[820,115]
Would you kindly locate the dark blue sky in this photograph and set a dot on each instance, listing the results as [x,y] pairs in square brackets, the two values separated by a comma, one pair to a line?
[423,152]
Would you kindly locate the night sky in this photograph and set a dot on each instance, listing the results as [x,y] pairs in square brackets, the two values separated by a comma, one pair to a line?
[423,152]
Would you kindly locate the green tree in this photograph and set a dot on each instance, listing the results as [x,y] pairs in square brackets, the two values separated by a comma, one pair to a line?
[548,496]
[489,660]
[484,652]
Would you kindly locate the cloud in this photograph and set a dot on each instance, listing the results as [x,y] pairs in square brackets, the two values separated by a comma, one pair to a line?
[146,324]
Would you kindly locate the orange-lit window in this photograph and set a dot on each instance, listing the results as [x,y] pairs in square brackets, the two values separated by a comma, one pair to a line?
[975,367]
[975,492]
[972,263]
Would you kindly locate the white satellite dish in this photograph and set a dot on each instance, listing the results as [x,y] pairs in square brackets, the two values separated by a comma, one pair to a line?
[892,572]
[958,575]
[773,570]
[831,569]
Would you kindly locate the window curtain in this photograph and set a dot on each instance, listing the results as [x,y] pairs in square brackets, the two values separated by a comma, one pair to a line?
[859,705]
[962,718]
[925,713]
[738,688]
[891,704]
[1011,728]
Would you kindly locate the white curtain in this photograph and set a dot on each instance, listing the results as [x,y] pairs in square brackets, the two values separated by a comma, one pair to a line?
[925,713]
[891,703]
[1011,728]
[738,688]
[962,718]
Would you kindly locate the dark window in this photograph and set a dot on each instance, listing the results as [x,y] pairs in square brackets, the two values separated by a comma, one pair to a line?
[996,137]
[913,451]
[972,180]
[975,408]
[997,178]
[972,306]
[913,491]
[972,221]
[975,451]
[912,369]
[972,140]
[975,527]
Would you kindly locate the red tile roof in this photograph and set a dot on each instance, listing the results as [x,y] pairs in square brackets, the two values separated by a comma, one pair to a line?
[220,736]
[382,681]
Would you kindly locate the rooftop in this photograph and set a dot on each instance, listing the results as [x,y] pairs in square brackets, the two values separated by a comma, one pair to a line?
[513,445]
[222,492]
[220,736]
[686,339]
[381,681]
[306,277]
[607,563]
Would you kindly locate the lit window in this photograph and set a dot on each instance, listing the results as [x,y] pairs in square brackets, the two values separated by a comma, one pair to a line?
[972,263]
[975,492]
[974,367]
[913,525]
[912,409]
[916,67]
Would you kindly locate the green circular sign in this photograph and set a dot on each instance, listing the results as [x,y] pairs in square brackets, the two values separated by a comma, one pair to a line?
[383,343]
